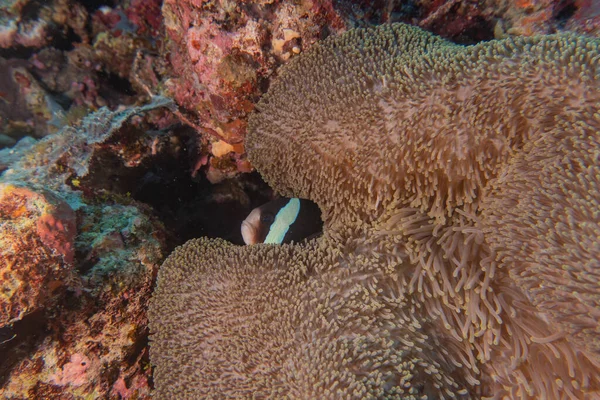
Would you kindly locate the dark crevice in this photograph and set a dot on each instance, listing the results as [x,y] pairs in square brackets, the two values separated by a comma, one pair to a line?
[114,84]
[563,12]
[189,207]
[93,5]
[18,340]
[31,10]
[17,51]
[61,99]
[192,208]
[479,30]
[65,41]
[375,12]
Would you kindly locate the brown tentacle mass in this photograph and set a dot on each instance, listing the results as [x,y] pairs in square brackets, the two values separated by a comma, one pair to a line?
[460,257]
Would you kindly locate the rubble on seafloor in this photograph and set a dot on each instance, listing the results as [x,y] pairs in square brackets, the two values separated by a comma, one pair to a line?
[95,189]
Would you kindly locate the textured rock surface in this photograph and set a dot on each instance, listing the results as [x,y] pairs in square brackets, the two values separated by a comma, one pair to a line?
[75,284]
[224,53]
[93,342]
[37,231]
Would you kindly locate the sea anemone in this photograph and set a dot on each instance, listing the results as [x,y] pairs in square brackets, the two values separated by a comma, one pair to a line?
[456,185]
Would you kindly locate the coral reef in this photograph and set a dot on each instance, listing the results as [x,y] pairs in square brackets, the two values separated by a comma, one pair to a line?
[62,63]
[85,276]
[225,51]
[535,17]
[25,107]
[583,17]
[93,344]
[81,246]
[35,24]
[459,259]
[96,188]
[215,58]
[58,159]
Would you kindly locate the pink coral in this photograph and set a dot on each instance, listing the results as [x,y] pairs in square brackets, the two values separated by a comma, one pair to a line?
[73,372]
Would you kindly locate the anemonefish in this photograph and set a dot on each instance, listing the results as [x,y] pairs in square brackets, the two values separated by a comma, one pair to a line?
[282,221]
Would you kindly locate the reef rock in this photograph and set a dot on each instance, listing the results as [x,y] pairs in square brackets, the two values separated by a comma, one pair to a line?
[37,230]
[77,264]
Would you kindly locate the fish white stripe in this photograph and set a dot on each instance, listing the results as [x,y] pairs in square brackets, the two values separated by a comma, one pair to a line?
[284,218]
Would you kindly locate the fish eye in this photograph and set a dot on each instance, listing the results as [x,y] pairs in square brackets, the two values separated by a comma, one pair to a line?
[267,218]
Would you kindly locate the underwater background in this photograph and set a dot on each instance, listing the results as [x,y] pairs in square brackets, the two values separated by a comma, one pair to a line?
[122,127]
